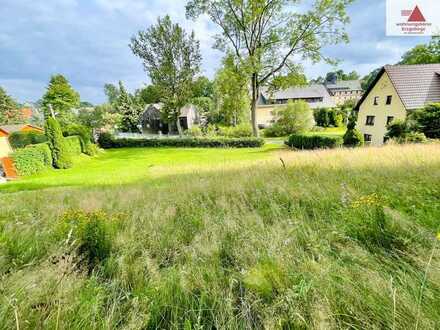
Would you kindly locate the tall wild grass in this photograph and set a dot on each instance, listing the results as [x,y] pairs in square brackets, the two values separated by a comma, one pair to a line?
[332,240]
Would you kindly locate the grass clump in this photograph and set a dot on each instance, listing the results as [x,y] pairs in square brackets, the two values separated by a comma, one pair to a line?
[90,234]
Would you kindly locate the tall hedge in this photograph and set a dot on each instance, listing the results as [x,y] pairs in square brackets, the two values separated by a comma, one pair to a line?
[23,139]
[107,141]
[353,137]
[301,141]
[60,154]
[85,135]
[32,159]
[73,145]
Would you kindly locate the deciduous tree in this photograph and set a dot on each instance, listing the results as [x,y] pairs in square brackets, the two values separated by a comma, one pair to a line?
[9,111]
[269,36]
[62,98]
[231,93]
[424,53]
[172,59]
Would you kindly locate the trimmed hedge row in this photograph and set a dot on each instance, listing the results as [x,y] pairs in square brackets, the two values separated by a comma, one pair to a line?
[301,141]
[23,139]
[73,145]
[107,141]
[32,159]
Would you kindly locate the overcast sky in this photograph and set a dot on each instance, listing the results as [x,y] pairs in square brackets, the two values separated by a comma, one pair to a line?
[87,41]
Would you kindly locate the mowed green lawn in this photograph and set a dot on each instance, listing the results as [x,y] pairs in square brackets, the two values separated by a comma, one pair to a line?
[124,166]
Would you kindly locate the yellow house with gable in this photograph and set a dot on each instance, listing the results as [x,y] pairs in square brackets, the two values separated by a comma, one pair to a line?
[397,90]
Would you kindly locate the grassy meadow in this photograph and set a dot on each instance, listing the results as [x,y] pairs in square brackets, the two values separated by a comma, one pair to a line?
[227,239]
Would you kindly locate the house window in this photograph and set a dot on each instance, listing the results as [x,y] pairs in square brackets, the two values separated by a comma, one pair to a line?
[370,121]
[389,119]
[367,138]
[389,99]
[376,100]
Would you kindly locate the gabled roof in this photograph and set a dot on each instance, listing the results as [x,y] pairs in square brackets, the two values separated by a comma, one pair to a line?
[416,85]
[353,85]
[156,107]
[302,92]
[16,128]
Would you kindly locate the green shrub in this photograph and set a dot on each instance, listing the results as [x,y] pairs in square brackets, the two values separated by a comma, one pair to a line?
[327,117]
[83,132]
[322,117]
[107,141]
[91,233]
[32,159]
[353,138]
[91,149]
[302,141]
[242,130]
[296,117]
[60,154]
[194,131]
[23,139]
[275,131]
[73,145]
[339,120]
[427,120]
[398,129]
[411,137]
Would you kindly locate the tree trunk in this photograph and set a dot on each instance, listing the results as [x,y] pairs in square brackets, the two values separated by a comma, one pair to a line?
[179,127]
[255,92]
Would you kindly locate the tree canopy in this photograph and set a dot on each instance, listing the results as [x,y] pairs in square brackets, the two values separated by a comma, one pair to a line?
[9,111]
[269,36]
[423,54]
[171,57]
[337,75]
[231,93]
[63,99]
[129,110]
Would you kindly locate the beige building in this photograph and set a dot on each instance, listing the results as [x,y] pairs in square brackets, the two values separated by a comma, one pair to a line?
[317,96]
[5,148]
[345,90]
[6,130]
[397,90]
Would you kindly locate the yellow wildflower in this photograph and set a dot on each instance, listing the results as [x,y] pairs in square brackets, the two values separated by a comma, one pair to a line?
[438,236]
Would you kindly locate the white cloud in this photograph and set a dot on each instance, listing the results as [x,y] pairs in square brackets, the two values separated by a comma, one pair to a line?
[87,40]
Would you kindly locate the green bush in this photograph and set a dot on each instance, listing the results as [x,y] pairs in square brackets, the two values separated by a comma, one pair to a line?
[91,149]
[427,120]
[353,138]
[23,139]
[239,131]
[398,129]
[194,131]
[73,145]
[275,131]
[107,141]
[302,141]
[60,154]
[327,117]
[411,137]
[91,233]
[296,117]
[32,159]
[83,132]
